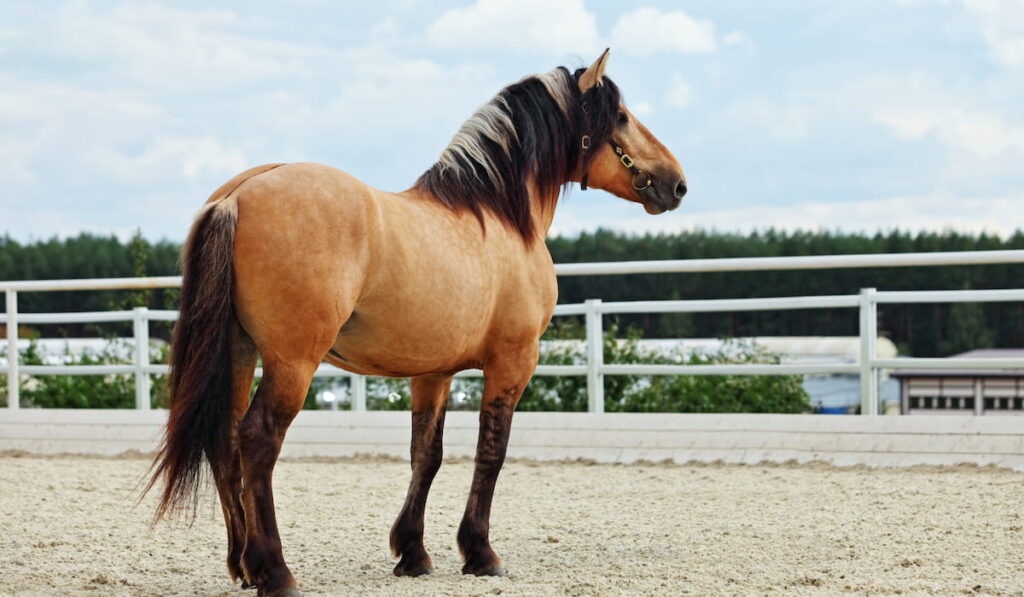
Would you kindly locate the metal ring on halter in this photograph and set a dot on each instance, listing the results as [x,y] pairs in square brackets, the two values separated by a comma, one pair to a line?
[647,180]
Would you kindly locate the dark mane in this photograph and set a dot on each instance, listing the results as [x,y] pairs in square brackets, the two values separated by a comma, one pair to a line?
[530,131]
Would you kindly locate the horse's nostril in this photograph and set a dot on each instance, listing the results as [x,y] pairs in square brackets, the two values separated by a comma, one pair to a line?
[680,189]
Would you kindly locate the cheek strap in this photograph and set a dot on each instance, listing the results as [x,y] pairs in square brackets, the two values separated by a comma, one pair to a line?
[584,146]
[642,179]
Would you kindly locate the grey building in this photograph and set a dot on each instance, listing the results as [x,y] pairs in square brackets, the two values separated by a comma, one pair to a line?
[964,390]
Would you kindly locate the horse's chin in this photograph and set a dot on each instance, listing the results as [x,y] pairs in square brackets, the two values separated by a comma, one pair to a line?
[653,208]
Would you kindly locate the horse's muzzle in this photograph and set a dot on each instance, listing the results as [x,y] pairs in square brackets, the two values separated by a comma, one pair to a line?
[665,194]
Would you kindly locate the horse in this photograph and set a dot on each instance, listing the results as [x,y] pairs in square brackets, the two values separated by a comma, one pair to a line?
[301,263]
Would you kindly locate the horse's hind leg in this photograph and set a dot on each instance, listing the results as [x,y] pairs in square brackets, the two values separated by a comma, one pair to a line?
[228,474]
[261,432]
[429,398]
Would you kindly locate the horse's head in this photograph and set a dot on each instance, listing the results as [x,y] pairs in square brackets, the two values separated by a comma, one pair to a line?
[619,154]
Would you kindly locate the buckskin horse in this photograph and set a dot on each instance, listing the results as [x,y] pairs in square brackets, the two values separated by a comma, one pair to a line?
[301,263]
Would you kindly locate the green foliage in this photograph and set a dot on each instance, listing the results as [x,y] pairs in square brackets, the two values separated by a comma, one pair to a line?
[544,393]
[139,254]
[382,393]
[966,329]
[388,393]
[920,330]
[655,393]
[551,393]
[77,391]
[89,256]
[664,393]
[704,393]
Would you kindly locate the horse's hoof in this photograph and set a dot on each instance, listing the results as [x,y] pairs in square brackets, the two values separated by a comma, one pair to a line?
[415,570]
[489,570]
[282,592]
[415,565]
[414,562]
[248,585]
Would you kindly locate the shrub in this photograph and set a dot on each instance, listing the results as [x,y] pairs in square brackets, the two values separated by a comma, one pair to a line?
[654,393]
[85,391]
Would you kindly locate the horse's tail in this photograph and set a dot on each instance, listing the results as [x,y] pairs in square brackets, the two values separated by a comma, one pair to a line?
[199,385]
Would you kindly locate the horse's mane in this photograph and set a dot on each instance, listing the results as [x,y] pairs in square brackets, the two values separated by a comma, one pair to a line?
[530,131]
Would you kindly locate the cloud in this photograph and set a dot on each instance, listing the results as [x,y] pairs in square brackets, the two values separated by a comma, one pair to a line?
[995,215]
[1002,23]
[121,114]
[641,108]
[192,157]
[167,48]
[680,94]
[738,39]
[983,134]
[151,108]
[521,26]
[647,30]
[763,117]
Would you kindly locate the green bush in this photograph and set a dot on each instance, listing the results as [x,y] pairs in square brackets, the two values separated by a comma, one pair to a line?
[382,393]
[664,393]
[388,393]
[84,391]
[704,393]
[657,393]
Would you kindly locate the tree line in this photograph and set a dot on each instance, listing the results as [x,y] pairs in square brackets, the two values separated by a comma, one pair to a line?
[918,330]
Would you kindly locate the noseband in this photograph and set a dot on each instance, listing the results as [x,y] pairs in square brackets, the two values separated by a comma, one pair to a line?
[642,179]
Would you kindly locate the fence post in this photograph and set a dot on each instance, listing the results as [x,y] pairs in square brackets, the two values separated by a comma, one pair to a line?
[141,335]
[13,384]
[595,356]
[868,352]
[357,392]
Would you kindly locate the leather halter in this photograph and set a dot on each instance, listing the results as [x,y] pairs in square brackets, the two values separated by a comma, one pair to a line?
[642,179]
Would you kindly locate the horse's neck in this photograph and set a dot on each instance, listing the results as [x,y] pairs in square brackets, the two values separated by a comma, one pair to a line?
[542,210]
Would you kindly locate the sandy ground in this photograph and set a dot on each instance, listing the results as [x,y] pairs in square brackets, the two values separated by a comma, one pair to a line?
[69,526]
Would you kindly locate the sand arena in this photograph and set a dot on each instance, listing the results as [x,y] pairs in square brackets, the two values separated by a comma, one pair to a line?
[71,527]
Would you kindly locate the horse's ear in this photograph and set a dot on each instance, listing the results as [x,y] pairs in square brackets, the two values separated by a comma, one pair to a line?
[592,76]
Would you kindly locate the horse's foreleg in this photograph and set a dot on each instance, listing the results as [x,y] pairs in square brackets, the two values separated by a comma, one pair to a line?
[505,380]
[228,474]
[429,398]
[261,432]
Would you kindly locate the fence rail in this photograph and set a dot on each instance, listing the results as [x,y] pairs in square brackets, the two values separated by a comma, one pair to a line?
[867,301]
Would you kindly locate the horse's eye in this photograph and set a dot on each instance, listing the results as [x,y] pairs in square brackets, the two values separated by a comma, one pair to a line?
[623,119]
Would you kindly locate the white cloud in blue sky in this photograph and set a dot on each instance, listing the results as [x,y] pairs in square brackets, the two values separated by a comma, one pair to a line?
[792,113]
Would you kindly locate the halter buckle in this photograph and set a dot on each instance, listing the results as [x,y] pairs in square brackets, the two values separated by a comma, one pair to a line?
[626,160]
[585,142]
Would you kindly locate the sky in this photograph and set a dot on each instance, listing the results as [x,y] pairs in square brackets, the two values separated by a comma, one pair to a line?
[795,114]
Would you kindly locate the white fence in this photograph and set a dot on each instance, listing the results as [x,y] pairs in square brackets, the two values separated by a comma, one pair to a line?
[866,302]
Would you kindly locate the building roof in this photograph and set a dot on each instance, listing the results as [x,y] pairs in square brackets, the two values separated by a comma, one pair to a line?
[967,371]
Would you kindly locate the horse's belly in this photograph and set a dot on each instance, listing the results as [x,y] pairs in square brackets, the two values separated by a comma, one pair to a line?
[414,344]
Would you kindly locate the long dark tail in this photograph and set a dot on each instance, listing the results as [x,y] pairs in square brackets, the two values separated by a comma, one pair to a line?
[199,388]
